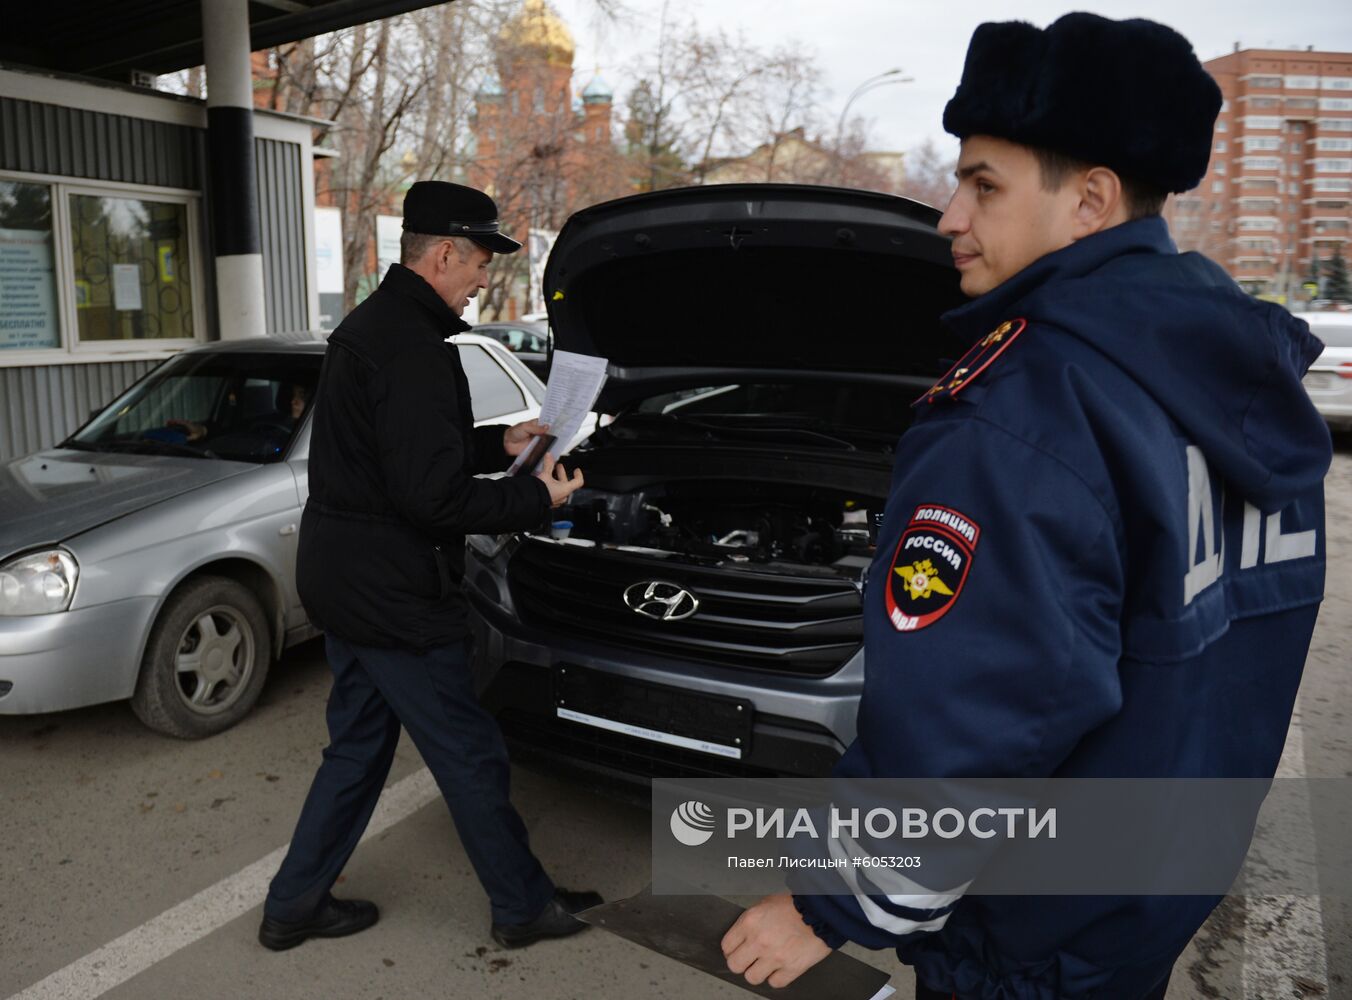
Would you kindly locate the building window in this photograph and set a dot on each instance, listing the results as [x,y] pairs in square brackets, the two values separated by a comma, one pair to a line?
[1333,145]
[132,275]
[1335,104]
[1222,126]
[29,317]
[1220,167]
[1336,83]
[1295,148]
[1265,81]
[1220,145]
[1332,166]
[539,100]
[94,268]
[1218,187]
[1335,124]
[1302,83]
[1293,189]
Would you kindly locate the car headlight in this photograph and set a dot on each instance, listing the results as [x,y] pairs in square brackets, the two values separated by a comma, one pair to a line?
[39,583]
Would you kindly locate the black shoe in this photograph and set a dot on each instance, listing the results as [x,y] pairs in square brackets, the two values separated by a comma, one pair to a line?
[557,920]
[335,918]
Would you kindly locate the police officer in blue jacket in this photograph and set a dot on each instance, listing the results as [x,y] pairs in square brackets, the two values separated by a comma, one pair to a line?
[1128,477]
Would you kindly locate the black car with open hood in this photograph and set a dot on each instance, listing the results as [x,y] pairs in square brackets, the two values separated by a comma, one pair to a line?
[696,284]
[701,612]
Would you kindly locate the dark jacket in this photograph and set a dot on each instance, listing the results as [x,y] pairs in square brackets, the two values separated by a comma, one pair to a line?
[1125,510]
[393,455]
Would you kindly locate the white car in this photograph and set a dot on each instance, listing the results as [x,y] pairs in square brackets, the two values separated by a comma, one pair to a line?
[1329,381]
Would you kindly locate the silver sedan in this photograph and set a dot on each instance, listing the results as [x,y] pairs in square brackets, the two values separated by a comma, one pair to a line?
[151,555]
[1329,380]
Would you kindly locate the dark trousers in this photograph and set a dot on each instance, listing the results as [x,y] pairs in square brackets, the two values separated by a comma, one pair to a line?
[923,992]
[432,695]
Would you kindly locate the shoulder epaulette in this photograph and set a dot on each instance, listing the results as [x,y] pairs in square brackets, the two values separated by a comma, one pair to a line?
[980,357]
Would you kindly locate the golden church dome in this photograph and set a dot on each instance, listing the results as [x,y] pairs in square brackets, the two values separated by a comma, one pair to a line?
[539,29]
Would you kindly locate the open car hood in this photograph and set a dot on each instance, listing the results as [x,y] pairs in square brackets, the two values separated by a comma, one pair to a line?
[729,282]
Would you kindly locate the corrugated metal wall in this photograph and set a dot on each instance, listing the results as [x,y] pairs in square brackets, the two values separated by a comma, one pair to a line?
[43,404]
[281,224]
[72,142]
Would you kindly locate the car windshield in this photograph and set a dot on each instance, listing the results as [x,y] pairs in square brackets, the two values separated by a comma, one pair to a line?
[516,339]
[236,406]
[837,413]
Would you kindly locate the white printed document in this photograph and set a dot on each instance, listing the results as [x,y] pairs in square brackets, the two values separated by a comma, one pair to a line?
[575,381]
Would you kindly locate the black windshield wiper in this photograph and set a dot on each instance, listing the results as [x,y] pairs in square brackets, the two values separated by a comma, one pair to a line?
[154,447]
[668,423]
[773,433]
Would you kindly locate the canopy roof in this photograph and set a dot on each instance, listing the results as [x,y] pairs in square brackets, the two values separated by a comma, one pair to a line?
[109,40]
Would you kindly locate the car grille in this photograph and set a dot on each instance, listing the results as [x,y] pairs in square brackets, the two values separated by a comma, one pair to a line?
[747,619]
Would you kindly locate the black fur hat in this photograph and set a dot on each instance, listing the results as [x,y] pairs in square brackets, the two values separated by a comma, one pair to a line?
[1130,95]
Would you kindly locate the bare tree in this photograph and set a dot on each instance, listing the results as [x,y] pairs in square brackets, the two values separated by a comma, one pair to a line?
[719,73]
[929,175]
[733,111]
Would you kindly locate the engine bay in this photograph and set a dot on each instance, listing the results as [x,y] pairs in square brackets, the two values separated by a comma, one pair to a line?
[771,526]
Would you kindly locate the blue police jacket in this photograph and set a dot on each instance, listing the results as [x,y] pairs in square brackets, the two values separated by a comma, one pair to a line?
[1102,556]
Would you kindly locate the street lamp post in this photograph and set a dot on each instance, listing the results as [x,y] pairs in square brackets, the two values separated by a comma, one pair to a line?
[884,79]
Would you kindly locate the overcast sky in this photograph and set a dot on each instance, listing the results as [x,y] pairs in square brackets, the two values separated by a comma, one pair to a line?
[855,39]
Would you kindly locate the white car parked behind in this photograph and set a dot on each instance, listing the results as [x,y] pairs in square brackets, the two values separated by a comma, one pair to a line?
[1329,380]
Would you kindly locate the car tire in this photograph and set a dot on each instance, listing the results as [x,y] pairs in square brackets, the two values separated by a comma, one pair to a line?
[206,661]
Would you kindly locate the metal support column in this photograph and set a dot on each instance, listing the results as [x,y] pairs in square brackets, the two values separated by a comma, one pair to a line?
[230,145]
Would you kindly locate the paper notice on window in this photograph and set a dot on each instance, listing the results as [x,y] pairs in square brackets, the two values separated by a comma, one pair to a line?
[126,287]
[575,381]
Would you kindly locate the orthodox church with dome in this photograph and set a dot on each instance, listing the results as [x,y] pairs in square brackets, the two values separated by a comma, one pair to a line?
[540,149]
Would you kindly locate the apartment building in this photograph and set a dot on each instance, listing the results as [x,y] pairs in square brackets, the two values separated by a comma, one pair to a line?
[1278,188]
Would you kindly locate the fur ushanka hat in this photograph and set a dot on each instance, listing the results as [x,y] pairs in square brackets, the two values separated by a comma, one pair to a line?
[1130,95]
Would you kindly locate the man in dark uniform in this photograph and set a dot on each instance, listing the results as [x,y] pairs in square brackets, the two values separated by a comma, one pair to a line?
[1128,477]
[393,457]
